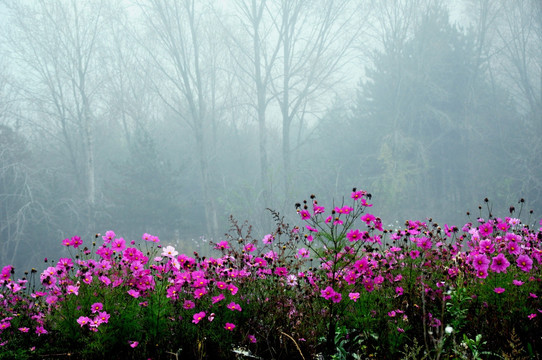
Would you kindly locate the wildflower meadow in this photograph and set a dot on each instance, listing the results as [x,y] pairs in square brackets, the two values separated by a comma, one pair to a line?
[336,285]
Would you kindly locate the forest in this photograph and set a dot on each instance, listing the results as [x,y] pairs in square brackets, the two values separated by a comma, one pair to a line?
[168,117]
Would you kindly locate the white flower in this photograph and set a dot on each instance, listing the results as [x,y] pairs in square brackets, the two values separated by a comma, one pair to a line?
[448,329]
[169,251]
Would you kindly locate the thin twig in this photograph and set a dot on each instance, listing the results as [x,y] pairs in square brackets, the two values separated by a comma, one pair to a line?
[295,342]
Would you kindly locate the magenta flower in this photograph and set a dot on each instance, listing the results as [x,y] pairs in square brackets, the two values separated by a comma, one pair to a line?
[513,248]
[96,307]
[250,247]
[499,263]
[354,296]
[327,293]
[398,291]
[336,297]
[353,235]
[133,293]
[222,245]
[218,298]
[133,344]
[517,282]
[524,262]
[482,274]
[72,289]
[109,236]
[233,289]
[368,218]
[305,215]
[24,329]
[480,262]
[281,271]
[499,290]
[268,239]
[198,316]
[4,325]
[304,253]
[233,306]
[229,326]
[318,209]
[40,330]
[485,229]
[118,244]
[188,304]
[103,317]
[252,339]
[356,195]
[487,247]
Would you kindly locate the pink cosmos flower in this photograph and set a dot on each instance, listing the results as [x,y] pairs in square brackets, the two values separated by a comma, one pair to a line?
[357,195]
[281,271]
[291,280]
[229,326]
[481,274]
[72,289]
[304,253]
[40,330]
[487,247]
[76,241]
[233,306]
[353,235]
[118,244]
[500,263]
[485,229]
[109,236]
[531,316]
[318,209]
[336,297]
[499,290]
[218,298]
[524,262]
[133,293]
[480,262]
[222,245]
[305,215]
[24,329]
[67,242]
[354,296]
[96,307]
[188,304]
[249,247]
[233,289]
[252,339]
[198,316]
[517,282]
[398,291]
[103,317]
[133,344]
[513,248]
[198,293]
[268,239]
[368,218]
[327,293]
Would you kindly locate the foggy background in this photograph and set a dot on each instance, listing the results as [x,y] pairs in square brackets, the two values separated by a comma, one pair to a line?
[167,117]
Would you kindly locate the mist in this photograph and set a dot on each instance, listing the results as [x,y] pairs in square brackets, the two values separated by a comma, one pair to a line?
[168,117]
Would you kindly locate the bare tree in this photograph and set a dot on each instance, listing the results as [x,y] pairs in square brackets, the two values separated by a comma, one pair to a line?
[317,42]
[184,55]
[57,45]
